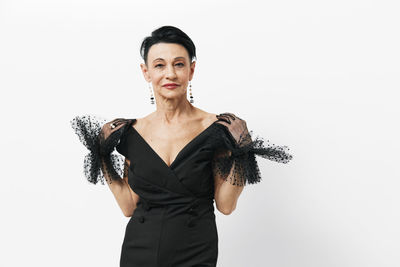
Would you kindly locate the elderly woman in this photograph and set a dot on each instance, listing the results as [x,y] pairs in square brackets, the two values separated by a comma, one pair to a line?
[176,161]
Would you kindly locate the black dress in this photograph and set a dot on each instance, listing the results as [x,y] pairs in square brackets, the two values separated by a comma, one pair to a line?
[174,222]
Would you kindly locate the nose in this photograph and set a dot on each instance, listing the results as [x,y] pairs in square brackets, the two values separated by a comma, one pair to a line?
[170,72]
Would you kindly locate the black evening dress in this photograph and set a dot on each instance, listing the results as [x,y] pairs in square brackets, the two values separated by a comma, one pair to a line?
[174,222]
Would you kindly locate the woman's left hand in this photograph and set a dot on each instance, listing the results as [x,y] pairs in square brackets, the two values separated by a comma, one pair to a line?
[237,128]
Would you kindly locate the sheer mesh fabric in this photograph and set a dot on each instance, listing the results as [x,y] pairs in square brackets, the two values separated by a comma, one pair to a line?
[101,138]
[234,161]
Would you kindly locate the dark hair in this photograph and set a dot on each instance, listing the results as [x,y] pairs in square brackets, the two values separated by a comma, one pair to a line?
[168,34]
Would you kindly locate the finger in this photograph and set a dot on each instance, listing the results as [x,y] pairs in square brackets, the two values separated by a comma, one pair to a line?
[118,121]
[225,119]
[230,115]
[118,127]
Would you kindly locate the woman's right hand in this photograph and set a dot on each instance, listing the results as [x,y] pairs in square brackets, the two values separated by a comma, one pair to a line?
[110,135]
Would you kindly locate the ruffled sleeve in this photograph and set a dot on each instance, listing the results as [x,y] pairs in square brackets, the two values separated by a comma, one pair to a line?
[235,159]
[100,163]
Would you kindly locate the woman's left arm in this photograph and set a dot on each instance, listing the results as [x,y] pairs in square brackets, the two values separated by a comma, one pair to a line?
[228,189]
[235,164]
[226,194]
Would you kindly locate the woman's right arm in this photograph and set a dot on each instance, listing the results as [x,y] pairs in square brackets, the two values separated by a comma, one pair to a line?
[126,198]
[101,138]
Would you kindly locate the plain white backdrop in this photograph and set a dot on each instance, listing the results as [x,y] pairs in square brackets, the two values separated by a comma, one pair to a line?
[321,77]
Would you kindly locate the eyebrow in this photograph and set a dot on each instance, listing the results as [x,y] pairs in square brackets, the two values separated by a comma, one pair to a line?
[163,59]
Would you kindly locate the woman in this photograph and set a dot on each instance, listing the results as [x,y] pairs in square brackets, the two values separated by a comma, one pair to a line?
[177,161]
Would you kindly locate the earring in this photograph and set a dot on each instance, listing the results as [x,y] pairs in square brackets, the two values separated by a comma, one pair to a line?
[151,95]
[190,92]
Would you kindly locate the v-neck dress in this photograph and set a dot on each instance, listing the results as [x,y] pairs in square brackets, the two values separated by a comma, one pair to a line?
[174,222]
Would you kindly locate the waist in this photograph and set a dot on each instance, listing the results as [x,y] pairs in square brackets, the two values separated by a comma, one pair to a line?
[190,203]
[195,209]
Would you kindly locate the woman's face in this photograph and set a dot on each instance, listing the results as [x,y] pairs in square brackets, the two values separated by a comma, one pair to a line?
[168,63]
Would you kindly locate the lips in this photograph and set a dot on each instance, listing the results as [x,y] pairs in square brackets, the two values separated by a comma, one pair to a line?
[170,85]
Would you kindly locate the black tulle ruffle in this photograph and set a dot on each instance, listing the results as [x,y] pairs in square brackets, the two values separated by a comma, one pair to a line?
[241,166]
[96,164]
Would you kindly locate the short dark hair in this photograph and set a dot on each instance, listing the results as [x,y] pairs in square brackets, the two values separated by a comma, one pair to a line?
[168,34]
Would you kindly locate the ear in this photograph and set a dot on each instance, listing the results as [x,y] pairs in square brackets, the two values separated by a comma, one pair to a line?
[145,72]
[192,67]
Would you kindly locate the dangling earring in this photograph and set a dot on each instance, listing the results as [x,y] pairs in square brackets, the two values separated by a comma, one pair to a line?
[190,92]
[151,95]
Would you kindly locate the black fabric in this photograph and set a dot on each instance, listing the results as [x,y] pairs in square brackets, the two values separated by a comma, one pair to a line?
[174,222]
[100,139]
[240,166]
[122,147]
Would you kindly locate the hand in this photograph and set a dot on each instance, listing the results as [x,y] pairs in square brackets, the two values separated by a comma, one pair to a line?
[237,128]
[110,135]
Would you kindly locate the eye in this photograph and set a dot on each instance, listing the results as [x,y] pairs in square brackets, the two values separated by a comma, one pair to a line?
[158,65]
[180,64]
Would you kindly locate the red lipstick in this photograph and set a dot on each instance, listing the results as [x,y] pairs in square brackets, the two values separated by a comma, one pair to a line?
[170,85]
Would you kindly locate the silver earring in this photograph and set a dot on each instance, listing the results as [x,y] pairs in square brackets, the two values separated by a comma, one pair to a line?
[151,95]
[190,92]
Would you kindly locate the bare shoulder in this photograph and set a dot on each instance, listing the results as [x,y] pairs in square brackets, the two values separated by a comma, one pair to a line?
[212,117]
[207,117]
[142,122]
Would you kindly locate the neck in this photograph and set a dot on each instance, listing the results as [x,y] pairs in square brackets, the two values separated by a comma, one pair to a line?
[174,111]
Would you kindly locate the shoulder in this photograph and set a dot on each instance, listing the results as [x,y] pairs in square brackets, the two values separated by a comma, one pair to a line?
[210,118]
[143,122]
[206,118]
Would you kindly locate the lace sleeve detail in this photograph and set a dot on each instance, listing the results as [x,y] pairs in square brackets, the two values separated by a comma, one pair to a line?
[100,138]
[235,157]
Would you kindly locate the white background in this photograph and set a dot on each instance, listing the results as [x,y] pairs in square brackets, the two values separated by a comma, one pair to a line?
[321,77]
